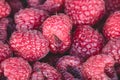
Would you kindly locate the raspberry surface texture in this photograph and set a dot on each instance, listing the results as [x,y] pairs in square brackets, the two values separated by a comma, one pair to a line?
[16,69]
[86,12]
[99,67]
[31,45]
[57,30]
[86,42]
[29,18]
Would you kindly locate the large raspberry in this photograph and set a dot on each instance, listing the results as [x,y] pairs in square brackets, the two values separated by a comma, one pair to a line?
[4,9]
[112,6]
[3,29]
[16,69]
[86,42]
[57,30]
[43,71]
[30,18]
[99,67]
[5,51]
[111,28]
[112,48]
[69,66]
[85,11]
[31,45]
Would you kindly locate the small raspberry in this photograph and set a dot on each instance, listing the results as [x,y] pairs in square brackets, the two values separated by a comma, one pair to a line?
[112,48]
[112,6]
[86,12]
[57,30]
[4,22]
[29,18]
[4,9]
[99,67]
[34,3]
[111,27]
[31,45]
[43,69]
[5,51]
[86,42]
[69,66]
[16,69]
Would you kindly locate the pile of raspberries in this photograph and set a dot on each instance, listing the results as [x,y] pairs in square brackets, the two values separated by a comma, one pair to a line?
[59,39]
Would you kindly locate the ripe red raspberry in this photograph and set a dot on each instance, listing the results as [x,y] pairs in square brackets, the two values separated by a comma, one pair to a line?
[112,6]
[4,9]
[5,51]
[69,66]
[29,18]
[31,45]
[86,12]
[16,69]
[15,5]
[4,22]
[112,48]
[111,28]
[44,71]
[86,42]
[57,30]
[99,67]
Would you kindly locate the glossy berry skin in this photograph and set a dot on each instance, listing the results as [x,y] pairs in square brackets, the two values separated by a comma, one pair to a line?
[31,45]
[86,12]
[112,6]
[112,48]
[29,18]
[5,51]
[16,68]
[57,30]
[111,28]
[69,66]
[4,9]
[86,42]
[99,67]
[44,71]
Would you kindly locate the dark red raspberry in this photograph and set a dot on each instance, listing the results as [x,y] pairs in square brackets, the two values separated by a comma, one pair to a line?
[86,12]
[86,42]
[4,9]
[34,3]
[31,45]
[15,5]
[16,69]
[112,6]
[4,22]
[112,48]
[44,71]
[5,51]
[99,67]
[29,18]
[57,30]
[69,66]
[111,28]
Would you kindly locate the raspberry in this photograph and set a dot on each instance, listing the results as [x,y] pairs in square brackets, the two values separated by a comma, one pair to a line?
[111,27]
[86,12]
[15,5]
[31,45]
[16,69]
[5,51]
[43,69]
[3,29]
[99,67]
[86,42]
[34,3]
[112,5]
[4,9]
[112,48]
[29,18]
[57,30]
[69,66]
